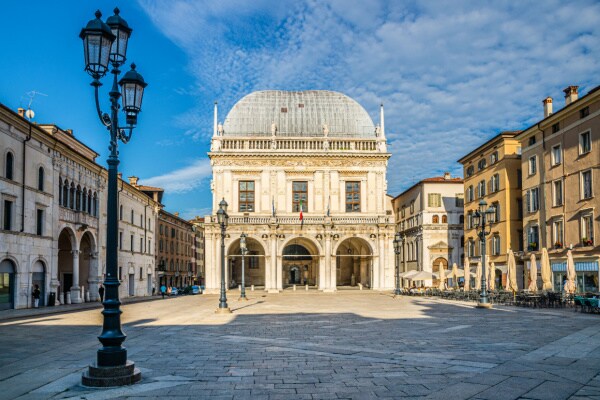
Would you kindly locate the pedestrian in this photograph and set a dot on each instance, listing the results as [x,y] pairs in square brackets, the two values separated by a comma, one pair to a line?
[36,296]
[101,293]
[169,291]
[163,290]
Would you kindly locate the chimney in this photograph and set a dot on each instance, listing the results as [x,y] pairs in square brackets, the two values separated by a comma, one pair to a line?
[447,176]
[547,106]
[69,132]
[176,214]
[570,94]
[133,180]
[120,175]
[21,112]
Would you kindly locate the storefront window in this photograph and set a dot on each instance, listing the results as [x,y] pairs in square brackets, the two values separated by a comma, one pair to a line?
[587,282]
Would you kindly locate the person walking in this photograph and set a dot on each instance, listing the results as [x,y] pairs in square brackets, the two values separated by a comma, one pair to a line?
[101,293]
[163,290]
[36,296]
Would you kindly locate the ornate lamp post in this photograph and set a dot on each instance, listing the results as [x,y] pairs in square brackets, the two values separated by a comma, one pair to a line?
[243,249]
[105,43]
[397,241]
[482,220]
[222,219]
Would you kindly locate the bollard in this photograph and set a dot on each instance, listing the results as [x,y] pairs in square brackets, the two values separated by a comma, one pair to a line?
[306,287]
[252,288]
[294,288]
[68,301]
[360,286]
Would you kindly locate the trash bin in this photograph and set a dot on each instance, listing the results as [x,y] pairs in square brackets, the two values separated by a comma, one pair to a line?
[52,299]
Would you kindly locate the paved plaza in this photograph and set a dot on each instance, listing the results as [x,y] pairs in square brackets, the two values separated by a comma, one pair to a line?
[299,345]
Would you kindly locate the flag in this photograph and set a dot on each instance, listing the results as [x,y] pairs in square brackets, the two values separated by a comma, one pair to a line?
[301,217]
[273,206]
[328,205]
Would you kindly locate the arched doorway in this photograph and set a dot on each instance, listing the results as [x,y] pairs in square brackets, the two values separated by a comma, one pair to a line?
[38,277]
[435,268]
[88,269]
[66,241]
[7,285]
[353,261]
[300,264]
[254,264]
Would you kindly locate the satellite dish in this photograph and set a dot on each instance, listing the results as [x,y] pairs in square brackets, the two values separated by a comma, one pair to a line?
[29,114]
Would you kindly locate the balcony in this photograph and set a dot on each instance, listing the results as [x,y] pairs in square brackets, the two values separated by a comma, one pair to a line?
[78,217]
[307,220]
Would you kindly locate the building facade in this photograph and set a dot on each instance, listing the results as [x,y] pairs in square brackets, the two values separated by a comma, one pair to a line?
[304,174]
[176,240]
[53,211]
[493,174]
[429,217]
[561,160]
[198,227]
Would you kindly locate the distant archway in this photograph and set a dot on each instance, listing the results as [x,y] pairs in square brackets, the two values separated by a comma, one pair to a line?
[353,263]
[254,264]
[436,269]
[38,277]
[7,284]
[300,263]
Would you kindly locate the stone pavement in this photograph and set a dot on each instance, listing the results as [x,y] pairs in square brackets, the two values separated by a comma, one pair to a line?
[297,345]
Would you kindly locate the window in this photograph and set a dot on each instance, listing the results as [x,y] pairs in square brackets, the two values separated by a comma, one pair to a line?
[141,245]
[470,171]
[557,234]
[481,189]
[403,212]
[533,237]
[495,245]
[131,242]
[585,142]
[172,232]
[461,219]
[149,250]
[39,226]
[352,196]
[470,194]
[520,237]
[586,184]
[434,200]
[557,193]
[532,199]
[494,157]
[495,183]
[532,165]
[131,217]
[435,219]
[471,248]
[459,200]
[556,155]
[470,220]
[481,164]
[8,170]
[120,240]
[519,208]
[584,112]
[160,245]
[246,196]
[496,206]
[8,208]
[121,213]
[412,207]
[555,127]
[519,150]
[531,141]
[41,179]
[141,220]
[519,178]
[587,230]
[462,241]
[444,219]
[299,196]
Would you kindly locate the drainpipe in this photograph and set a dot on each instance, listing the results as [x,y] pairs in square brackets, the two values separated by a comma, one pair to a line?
[27,139]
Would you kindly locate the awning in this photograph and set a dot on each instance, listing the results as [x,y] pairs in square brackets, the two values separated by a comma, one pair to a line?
[586,266]
[559,266]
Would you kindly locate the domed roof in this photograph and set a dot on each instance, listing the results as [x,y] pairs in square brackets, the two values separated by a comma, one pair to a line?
[308,113]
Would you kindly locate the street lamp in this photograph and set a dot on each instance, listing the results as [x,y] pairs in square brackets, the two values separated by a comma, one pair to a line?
[243,250]
[482,220]
[222,219]
[105,43]
[397,241]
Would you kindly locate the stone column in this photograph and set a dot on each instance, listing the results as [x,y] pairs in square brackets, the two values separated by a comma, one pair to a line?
[271,284]
[330,271]
[75,293]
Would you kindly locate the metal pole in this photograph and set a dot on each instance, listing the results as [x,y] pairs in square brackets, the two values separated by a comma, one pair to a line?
[243,293]
[397,291]
[112,353]
[483,297]
[223,299]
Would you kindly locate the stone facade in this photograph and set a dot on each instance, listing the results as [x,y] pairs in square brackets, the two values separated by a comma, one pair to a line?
[429,217]
[176,241]
[53,226]
[316,151]
[198,228]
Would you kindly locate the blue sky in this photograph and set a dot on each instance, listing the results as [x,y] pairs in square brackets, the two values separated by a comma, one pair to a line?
[450,78]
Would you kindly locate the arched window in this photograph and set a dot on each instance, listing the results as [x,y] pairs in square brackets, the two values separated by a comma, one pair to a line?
[89,199]
[435,219]
[72,196]
[65,196]
[41,179]
[8,170]
[60,189]
[84,200]
[121,212]
[131,217]
[95,205]
[444,219]
[78,198]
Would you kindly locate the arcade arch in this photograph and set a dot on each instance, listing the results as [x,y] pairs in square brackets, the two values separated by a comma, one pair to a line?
[435,268]
[353,260]
[254,264]
[300,263]
[7,284]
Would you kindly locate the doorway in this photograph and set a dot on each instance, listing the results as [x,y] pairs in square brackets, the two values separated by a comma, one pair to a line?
[131,285]
[7,285]
[38,277]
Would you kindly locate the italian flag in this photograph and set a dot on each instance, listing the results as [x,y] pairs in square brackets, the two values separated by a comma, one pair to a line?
[301,217]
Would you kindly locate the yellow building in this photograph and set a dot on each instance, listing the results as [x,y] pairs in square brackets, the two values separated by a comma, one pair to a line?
[493,173]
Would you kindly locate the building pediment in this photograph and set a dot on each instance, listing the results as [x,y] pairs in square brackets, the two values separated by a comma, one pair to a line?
[441,245]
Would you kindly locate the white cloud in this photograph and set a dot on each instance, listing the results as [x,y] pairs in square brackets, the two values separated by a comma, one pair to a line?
[450,77]
[182,180]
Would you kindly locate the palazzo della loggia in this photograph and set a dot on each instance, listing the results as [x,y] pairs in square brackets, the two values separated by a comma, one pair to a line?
[304,176]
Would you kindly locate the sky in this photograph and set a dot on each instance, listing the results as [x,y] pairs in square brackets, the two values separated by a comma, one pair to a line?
[450,78]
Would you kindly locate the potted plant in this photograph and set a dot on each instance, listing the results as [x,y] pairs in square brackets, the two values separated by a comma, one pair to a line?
[532,246]
[587,242]
[558,245]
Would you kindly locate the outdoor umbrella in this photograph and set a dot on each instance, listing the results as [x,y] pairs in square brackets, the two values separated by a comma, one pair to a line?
[511,273]
[467,274]
[478,276]
[421,276]
[570,285]
[532,273]
[492,276]
[456,273]
[546,272]
[441,285]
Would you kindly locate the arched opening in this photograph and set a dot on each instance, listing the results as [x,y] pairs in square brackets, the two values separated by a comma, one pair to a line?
[254,264]
[65,196]
[444,219]
[7,284]
[435,219]
[38,277]
[353,263]
[41,180]
[65,263]
[436,269]
[498,279]
[88,265]
[300,263]
[8,167]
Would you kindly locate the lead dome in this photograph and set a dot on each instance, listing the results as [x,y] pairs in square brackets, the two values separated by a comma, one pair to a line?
[308,113]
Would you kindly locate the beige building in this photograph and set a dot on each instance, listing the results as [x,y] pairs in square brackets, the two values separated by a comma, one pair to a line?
[198,227]
[429,216]
[493,173]
[560,163]
[176,241]
[317,153]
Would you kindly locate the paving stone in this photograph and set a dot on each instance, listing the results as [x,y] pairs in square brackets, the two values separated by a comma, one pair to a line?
[553,390]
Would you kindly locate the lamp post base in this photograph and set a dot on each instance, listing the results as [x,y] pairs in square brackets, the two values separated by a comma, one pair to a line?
[111,376]
[226,310]
[243,298]
[484,305]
